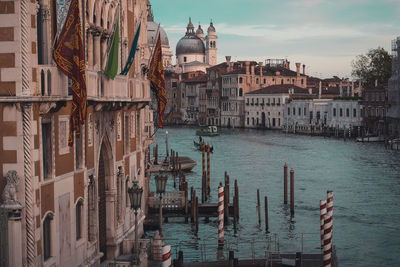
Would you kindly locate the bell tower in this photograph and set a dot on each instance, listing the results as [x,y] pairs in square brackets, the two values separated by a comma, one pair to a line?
[211,46]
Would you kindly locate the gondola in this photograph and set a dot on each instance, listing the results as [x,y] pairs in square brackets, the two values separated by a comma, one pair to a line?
[198,146]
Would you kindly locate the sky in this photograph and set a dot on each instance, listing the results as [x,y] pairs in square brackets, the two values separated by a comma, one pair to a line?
[325,35]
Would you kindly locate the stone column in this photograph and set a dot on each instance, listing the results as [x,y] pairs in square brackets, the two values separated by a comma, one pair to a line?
[104,39]
[10,224]
[97,54]
[89,38]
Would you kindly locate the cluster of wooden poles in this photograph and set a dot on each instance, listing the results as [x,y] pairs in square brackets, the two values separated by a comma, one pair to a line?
[206,179]
[285,197]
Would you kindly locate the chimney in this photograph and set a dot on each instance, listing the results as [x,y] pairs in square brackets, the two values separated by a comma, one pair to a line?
[298,68]
[376,83]
[252,69]
[304,69]
[228,63]
[320,90]
[310,91]
[180,77]
[288,65]
[352,89]
[348,90]
[247,67]
[228,59]
[359,88]
[341,89]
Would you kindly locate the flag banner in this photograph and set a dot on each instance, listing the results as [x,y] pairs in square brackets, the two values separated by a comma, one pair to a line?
[156,77]
[112,62]
[68,55]
[132,52]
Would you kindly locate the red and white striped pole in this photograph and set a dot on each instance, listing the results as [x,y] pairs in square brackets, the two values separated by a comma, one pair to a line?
[322,209]
[328,230]
[166,256]
[220,215]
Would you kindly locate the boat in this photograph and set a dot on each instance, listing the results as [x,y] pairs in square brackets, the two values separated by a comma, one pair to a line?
[199,146]
[187,164]
[210,131]
[370,138]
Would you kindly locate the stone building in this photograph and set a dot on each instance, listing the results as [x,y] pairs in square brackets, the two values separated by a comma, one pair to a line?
[194,52]
[75,207]
[190,89]
[264,108]
[375,104]
[251,76]
[393,114]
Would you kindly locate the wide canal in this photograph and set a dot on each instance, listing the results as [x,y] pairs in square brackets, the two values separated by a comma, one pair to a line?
[364,177]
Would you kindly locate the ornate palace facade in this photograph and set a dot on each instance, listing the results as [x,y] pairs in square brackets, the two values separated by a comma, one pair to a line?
[70,207]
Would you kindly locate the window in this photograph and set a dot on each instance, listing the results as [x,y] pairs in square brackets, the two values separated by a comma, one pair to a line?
[294,111]
[248,120]
[257,81]
[282,81]
[265,81]
[302,81]
[252,121]
[184,59]
[126,134]
[341,112]
[47,149]
[347,112]
[334,112]
[288,111]
[305,111]
[354,112]
[240,80]
[299,111]
[47,237]
[78,219]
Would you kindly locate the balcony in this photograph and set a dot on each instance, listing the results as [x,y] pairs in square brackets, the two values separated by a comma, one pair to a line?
[55,84]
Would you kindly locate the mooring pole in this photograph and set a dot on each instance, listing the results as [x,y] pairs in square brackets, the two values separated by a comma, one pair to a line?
[266,214]
[292,192]
[258,207]
[237,198]
[285,183]
[208,170]
[220,215]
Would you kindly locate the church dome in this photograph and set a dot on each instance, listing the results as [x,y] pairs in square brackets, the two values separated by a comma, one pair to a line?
[190,44]
[151,34]
[199,30]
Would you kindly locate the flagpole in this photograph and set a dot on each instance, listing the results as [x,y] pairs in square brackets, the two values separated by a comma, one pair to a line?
[152,51]
[109,42]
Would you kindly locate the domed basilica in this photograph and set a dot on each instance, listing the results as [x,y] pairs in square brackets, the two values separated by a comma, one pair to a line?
[193,51]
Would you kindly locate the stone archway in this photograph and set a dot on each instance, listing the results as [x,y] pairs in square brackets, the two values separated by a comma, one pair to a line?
[105,210]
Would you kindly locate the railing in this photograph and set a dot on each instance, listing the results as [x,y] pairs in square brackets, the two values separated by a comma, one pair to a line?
[52,82]
[170,200]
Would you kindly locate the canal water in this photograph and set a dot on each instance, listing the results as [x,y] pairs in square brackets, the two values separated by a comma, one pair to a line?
[364,178]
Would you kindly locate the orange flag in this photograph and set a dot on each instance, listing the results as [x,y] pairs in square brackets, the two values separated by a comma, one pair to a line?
[68,55]
[156,77]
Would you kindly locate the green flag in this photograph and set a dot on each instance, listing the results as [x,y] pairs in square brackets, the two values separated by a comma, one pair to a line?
[112,62]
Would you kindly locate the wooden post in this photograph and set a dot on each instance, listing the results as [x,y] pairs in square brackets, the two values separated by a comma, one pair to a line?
[258,206]
[226,203]
[203,151]
[156,156]
[292,192]
[234,213]
[197,214]
[203,188]
[237,199]
[191,204]
[208,170]
[176,162]
[186,201]
[285,183]
[266,214]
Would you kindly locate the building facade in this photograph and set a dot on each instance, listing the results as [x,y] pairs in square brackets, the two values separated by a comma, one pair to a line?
[249,77]
[74,205]
[375,104]
[393,114]
[194,52]
[264,108]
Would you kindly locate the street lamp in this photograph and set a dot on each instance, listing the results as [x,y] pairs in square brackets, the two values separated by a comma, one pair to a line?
[161,181]
[135,196]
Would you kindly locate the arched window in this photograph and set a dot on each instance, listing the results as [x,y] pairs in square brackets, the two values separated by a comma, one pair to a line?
[240,92]
[282,81]
[257,81]
[48,82]
[42,82]
[78,219]
[184,59]
[47,236]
